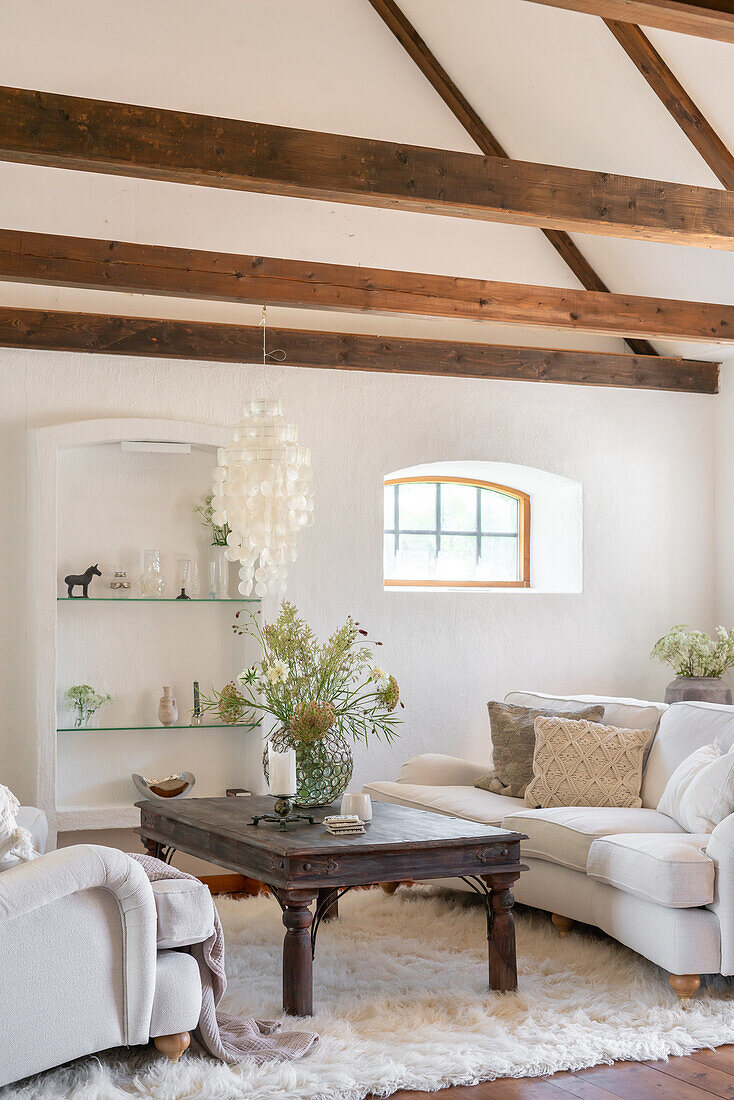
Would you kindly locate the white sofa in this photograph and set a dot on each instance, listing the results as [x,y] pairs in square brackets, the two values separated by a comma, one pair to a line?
[89,959]
[634,873]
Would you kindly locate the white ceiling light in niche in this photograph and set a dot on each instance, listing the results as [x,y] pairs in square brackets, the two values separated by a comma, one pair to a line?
[263,491]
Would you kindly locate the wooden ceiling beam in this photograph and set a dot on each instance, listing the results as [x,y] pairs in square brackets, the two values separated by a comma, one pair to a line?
[198,340]
[676,99]
[417,49]
[704,18]
[146,142]
[51,260]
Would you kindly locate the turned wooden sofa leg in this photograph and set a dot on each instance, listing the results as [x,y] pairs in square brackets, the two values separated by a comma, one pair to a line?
[172,1046]
[685,985]
[563,924]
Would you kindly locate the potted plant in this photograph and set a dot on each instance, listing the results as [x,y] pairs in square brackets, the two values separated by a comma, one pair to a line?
[699,662]
[322,697]
[84,702]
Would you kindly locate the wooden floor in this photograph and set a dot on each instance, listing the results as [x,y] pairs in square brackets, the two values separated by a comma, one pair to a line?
[708,1073]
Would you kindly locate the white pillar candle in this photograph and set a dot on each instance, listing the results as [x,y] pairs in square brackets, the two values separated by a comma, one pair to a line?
[282,771]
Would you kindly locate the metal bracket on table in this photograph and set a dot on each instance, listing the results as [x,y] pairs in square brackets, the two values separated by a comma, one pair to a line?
[320,911]
[164,852]
[479,886]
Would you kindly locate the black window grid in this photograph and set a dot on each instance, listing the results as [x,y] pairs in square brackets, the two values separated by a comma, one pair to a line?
[438,531]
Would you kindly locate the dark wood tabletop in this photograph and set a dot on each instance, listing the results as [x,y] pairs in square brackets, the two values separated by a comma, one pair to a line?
[400,842]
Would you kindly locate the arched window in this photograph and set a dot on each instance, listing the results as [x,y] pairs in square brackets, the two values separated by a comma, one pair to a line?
[454,532]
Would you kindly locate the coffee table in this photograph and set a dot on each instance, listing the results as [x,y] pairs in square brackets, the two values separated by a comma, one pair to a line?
[307,864]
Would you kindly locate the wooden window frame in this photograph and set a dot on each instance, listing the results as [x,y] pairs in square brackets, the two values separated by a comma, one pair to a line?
[523,533]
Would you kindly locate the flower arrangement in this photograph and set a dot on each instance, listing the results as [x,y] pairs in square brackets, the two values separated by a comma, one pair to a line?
[230,705]
[312,688]
[84,701]
[694,653]
[218,532]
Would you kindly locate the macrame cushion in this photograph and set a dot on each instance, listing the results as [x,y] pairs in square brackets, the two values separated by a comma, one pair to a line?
[582,763]
[15,841]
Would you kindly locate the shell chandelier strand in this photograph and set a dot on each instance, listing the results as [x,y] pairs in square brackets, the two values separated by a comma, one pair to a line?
[263,490]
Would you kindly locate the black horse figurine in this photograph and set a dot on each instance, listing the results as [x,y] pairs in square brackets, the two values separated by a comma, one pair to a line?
[83,579]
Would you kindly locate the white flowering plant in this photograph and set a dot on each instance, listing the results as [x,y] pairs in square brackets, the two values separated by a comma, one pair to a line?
[218,532]
[84,701]
[310,687]
[694,653]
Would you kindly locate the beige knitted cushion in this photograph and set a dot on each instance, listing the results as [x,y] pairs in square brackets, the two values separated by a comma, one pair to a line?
[581,763]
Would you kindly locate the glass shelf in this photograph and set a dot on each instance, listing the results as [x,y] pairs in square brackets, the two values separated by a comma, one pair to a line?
[178,726]
[141,599]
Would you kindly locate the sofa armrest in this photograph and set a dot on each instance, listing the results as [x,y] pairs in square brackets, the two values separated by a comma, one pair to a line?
[29,889]
[721,850]
[433,769]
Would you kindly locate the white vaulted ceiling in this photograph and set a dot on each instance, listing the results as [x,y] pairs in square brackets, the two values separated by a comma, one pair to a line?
[553,86]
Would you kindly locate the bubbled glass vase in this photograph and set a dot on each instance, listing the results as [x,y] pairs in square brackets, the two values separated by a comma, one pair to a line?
[323,767]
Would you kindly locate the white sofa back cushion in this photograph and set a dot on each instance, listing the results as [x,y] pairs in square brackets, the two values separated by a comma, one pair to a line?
[628,714]
[684,727]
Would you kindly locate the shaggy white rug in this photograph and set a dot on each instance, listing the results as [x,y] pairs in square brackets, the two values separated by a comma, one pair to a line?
[400,991]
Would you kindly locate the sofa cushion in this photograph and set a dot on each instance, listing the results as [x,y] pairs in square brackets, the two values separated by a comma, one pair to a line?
[669,869]
[631,714]
[512,731]
[469,803]
[684,727]
[564,834]
[185,912]
[681,779]
[581,763]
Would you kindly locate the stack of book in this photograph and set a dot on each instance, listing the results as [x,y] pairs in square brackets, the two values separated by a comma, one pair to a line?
[344,825]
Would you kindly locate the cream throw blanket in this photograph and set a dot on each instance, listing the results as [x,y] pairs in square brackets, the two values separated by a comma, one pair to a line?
[229,1038]
[14,839]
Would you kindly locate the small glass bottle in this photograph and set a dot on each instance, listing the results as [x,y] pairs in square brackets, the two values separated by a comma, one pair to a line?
[184,565]
[152,584]
[120,585]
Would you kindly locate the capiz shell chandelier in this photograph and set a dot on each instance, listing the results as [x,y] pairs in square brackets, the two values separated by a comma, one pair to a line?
[263,490]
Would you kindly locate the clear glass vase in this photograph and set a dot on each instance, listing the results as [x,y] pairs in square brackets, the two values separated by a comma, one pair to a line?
[323,767]
[152,583]
[218,572]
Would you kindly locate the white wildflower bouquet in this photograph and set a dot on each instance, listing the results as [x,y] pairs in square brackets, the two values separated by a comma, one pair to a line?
[693,653]
[311,688]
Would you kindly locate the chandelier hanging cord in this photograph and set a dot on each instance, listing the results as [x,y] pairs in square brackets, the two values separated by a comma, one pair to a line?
[278,355]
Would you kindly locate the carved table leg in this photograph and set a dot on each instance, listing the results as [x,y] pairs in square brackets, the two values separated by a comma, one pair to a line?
[502,960]
[152,847]
[297,959]
[333,910]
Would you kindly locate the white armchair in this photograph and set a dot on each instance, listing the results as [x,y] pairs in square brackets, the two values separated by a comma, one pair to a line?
[80,963]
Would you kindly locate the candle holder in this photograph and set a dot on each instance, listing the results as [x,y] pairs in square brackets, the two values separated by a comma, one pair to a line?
[284,814]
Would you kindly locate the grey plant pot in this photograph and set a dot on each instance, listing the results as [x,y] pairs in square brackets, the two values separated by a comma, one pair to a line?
[701,689]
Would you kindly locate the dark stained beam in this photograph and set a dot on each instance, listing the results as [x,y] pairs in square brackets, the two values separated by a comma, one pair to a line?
[198,340]
[704,18]
[417,49]
[121,139]
[673,95]
[91,264]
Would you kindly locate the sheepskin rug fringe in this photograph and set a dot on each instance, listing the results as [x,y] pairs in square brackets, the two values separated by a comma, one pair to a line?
[401,1000]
